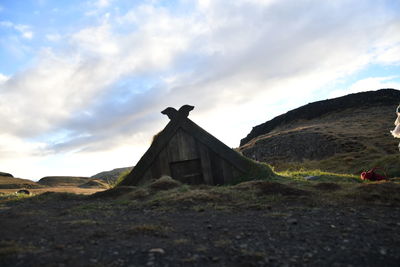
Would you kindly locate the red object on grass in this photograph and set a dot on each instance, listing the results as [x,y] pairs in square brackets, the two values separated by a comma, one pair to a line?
[371,175]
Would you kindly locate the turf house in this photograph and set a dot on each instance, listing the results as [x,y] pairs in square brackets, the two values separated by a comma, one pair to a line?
[187,153]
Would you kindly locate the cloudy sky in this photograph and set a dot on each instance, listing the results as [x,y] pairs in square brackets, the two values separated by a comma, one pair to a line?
[82,83]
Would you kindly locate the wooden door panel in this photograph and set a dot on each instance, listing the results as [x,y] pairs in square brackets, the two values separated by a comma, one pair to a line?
[188,171]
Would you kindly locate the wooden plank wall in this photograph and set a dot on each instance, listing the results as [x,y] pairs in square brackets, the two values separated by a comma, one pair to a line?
[181,147]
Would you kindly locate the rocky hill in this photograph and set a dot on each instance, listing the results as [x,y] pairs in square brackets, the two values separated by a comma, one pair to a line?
[6,174]
[344,134]
[9,182]
[111,176]
[63,180]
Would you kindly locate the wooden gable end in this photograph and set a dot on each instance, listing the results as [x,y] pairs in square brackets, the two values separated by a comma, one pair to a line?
[187,153]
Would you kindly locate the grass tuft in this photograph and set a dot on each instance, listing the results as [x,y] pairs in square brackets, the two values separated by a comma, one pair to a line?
[4,197]
[375,192]
[256,171]
[164,183]
[390,165]
[272,188]
[320,176]
[56,196]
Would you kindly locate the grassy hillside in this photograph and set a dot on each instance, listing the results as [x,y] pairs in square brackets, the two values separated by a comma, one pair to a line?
[112,176]
[63,181]
[7,182]
[344,141]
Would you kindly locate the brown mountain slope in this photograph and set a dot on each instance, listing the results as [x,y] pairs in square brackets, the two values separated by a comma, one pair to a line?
[63,180]
[111,176]
[7,182]
[332,136]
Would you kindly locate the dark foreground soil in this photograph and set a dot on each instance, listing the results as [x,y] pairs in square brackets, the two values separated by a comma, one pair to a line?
[67,230]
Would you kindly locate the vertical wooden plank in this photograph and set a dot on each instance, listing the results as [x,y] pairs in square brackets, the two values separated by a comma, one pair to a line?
[215,145]
[227,171]
[187,146]
[182,146]
[173,148]
[188,143]
[156,168]
[188,171]
[205,163]
[164,162]
[216,168]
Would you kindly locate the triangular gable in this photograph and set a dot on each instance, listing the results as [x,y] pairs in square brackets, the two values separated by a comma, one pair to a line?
[147,159]
[160,141]
[215,145]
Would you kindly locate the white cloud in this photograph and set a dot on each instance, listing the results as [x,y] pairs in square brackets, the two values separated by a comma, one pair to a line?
[41,2]
[27,34]
[369,84]
[3,78]
[61,84]
[97,7]
[18,156]
[98,40]
[6,23]
[387,50]
[374,83]
[53,37]
[390,55]
[11,146]
[24,30]
[102,3]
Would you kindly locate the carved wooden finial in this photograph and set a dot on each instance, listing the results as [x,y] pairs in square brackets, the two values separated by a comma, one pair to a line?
[173,113]
[170,112]
[185,109]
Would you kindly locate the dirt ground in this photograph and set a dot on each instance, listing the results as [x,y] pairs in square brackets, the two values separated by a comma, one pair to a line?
[203,227]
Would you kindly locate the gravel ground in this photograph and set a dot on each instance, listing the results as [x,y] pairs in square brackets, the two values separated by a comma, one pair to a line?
[59,230]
